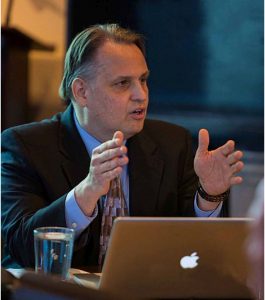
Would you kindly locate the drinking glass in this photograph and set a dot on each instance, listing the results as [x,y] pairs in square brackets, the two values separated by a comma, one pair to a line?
[53,250]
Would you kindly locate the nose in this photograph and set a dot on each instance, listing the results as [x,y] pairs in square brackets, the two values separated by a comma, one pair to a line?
[139,92]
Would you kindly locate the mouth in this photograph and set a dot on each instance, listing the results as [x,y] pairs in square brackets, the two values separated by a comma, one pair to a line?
[138,113]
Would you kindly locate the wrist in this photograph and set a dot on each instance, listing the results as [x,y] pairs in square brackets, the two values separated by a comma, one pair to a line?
[212,198]
[86,199]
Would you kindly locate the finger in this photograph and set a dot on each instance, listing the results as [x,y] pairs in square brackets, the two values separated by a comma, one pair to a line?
[234,157]
[111,164]
[112,153]
[118,135]
[203,140]
[237,167]
[111,174]
[236,180]
[228,147]
[108,155]
[114,143]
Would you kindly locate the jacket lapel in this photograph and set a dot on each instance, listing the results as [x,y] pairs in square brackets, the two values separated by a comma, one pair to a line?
[145,172]
[75,162]
[145,165]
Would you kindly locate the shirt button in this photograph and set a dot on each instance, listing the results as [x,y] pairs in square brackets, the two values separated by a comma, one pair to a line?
[74,225]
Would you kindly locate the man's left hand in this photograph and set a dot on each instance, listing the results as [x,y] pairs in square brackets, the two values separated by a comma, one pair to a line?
[217,169]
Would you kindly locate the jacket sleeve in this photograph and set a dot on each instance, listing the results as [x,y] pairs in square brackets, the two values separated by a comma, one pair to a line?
[25,203]
[188,180]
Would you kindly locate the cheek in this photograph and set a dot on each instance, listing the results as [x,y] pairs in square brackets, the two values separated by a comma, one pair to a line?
[103,104]
[109,105]
[115,105]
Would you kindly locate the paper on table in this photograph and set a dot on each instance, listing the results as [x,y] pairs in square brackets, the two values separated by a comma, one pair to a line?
[17,272]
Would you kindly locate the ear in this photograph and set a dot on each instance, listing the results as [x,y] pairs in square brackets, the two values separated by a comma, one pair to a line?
[79,91]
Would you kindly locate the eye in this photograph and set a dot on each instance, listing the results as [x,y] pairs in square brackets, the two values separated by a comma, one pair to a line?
[143,80]
[122,83]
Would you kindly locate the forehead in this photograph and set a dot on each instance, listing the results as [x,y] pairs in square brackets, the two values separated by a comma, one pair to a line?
[120,57]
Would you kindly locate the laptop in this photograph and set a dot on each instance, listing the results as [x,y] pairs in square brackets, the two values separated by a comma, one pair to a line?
[185,258]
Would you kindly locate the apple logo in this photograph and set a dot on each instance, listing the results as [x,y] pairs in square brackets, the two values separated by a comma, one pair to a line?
[189,261]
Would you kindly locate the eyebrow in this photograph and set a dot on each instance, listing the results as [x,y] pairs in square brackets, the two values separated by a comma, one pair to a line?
[145,74]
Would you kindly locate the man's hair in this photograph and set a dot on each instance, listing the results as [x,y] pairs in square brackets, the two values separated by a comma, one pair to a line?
[80,54]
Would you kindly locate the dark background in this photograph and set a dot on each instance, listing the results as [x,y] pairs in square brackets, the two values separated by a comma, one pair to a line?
[205,57]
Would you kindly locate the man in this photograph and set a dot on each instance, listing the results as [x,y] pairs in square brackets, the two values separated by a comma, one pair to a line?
[56,172]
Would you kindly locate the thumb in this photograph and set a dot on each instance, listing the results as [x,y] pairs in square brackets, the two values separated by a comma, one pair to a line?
[203,140]
[118,135]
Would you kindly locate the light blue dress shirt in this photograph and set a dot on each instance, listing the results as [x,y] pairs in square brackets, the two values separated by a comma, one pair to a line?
[77,220]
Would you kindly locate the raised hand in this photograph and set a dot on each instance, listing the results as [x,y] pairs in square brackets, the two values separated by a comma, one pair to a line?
[106,163]
[217,169]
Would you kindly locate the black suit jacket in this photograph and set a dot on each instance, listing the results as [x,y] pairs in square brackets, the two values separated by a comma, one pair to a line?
[42,162]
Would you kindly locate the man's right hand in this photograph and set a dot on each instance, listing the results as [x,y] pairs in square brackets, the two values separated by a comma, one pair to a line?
[106,163]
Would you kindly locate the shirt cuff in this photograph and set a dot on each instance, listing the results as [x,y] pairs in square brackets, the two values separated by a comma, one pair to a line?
[209,213]
[74,216]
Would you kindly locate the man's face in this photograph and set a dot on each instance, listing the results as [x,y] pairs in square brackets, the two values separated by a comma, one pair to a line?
[117,97]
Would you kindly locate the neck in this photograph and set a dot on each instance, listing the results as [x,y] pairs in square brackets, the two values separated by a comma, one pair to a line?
[82,115]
